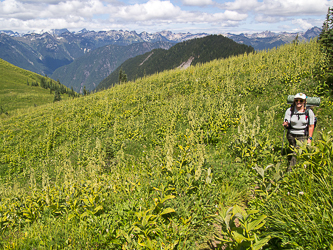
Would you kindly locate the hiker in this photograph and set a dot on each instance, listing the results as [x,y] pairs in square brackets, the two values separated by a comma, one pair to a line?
[299,120]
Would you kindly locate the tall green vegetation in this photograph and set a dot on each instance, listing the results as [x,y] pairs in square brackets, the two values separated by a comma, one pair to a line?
[158,163]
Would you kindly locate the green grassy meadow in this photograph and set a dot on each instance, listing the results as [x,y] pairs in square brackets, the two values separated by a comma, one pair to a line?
[16,94]
[184,159]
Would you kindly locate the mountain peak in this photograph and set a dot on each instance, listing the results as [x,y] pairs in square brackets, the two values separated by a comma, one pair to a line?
[10,33]
[313,32]
[58,31]
[84,30]
[264,34]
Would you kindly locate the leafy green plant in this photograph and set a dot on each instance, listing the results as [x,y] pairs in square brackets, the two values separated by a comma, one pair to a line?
[241,228]
[267,184]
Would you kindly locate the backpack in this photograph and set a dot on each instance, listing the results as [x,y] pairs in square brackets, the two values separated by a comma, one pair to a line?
[306,113]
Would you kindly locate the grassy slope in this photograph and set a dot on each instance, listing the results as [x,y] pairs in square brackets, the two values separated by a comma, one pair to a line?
[15,93]
[137,143]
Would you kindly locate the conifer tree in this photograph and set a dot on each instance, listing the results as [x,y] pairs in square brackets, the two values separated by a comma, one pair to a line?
[85,92]
[122,76]
[124,79]
[296,40]
[43,82]
[57,96]
[326,35]
[326,41]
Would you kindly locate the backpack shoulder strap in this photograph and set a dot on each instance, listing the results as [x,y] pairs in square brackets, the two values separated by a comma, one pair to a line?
[292,110]
[291,115]
[307,112]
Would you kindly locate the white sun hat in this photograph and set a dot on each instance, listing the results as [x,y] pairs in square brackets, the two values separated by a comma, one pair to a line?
[300,96]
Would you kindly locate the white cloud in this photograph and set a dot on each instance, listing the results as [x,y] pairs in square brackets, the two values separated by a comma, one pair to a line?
[231,16]
[15,9]
[280,7]
[303,24]
[34,15]
[39,1]
[269,19]
[153,9]
[241,5]
[293,7]
[165,11]
[77,8]
[197,2]
[27,11]
[9,7]
[160,14]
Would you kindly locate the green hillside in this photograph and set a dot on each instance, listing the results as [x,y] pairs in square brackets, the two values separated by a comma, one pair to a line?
[201,50]
[158,163]
[15,93]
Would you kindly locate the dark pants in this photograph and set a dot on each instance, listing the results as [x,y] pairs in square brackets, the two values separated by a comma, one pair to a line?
[292,143]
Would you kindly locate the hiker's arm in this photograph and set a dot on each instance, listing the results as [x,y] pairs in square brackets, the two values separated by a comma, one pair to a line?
[286,118]
[311,129]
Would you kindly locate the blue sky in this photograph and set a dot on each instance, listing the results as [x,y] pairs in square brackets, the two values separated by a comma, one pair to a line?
[194,16]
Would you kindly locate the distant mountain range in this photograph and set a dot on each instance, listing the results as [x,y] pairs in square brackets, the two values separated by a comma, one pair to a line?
[44,52]
[47,51]
[269,40]
[90,69]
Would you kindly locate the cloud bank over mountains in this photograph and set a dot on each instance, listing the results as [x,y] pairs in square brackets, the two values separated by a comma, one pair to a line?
[155,15]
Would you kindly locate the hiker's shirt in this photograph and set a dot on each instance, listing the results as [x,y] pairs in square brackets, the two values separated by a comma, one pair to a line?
[299,121]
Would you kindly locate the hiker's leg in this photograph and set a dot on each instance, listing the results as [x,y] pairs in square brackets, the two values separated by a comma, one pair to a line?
[292,142]
[292,156]
[303,139]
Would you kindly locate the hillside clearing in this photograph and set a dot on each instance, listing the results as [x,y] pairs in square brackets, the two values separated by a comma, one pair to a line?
[156,163]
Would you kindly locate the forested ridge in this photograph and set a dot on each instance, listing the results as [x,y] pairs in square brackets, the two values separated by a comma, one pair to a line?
[201,49]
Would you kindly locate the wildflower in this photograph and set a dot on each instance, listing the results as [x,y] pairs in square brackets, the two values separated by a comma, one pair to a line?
[301,193]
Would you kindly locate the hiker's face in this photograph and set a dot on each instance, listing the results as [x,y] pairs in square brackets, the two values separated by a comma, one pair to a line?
[299,102]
